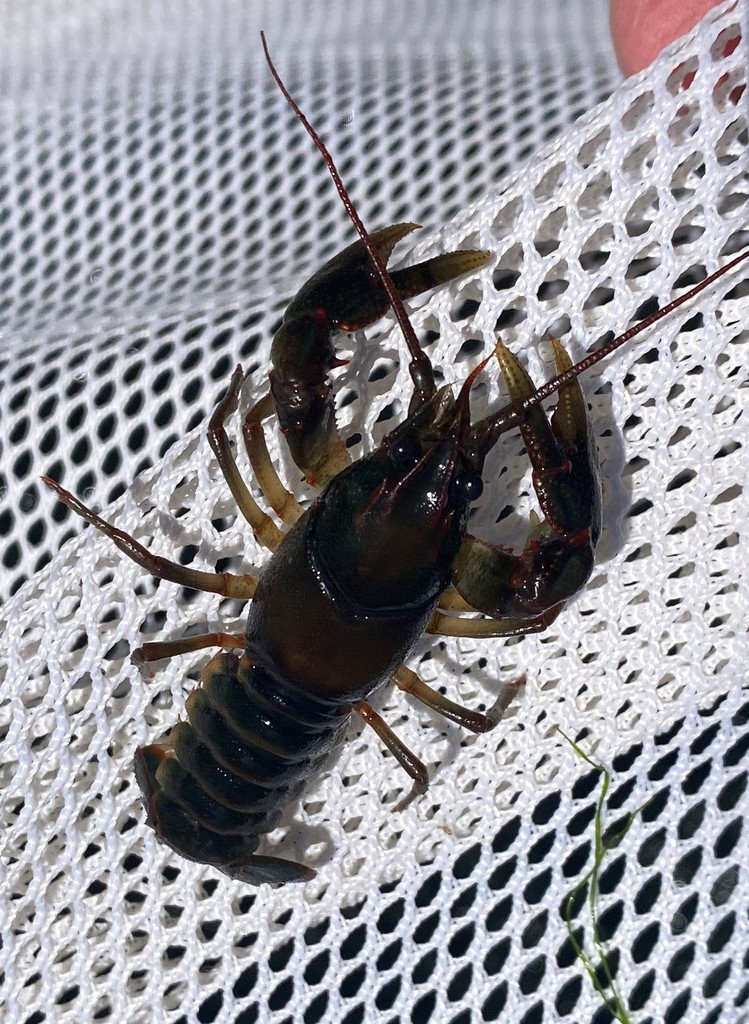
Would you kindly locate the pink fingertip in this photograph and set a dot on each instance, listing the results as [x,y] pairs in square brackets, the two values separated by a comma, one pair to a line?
[640,29]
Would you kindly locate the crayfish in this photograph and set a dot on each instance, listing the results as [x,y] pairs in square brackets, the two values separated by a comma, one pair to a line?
[377,559]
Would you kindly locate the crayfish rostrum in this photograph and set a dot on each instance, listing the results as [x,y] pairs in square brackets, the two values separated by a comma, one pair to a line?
[375,561]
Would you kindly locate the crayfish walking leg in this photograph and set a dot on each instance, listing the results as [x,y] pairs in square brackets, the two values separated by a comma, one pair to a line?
[224,583]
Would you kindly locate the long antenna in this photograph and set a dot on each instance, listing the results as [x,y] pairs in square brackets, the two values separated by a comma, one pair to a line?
[420,367]
[595,357]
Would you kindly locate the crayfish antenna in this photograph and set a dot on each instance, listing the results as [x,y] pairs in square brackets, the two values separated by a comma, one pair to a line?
[553,385]
[486,432]
[420,367]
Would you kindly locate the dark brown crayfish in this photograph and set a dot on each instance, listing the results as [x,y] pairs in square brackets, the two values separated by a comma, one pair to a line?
[370,566]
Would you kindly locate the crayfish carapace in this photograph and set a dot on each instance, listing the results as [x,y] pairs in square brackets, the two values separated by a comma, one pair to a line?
[374,562]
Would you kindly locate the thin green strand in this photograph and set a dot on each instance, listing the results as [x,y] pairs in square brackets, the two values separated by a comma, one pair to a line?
[607,988]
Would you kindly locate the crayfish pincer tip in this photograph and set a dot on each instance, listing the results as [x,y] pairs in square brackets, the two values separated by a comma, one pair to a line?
[515,375]
[562,359]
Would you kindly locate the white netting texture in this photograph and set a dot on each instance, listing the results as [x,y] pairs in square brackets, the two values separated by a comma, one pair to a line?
[159,209]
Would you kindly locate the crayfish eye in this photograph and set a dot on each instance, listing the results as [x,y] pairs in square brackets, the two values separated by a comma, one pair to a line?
[405,451]
[469,487]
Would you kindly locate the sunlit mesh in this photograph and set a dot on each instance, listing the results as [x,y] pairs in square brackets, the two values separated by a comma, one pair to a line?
[162,207]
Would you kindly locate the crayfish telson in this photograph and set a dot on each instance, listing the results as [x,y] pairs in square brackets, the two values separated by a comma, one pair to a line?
[377,559]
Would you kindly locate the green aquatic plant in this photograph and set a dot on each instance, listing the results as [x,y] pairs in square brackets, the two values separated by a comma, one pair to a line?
[601,977]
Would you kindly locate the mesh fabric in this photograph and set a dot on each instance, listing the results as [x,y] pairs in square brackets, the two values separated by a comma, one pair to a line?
[162,208]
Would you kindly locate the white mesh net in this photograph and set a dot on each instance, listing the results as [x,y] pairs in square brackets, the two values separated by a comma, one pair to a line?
[160,207]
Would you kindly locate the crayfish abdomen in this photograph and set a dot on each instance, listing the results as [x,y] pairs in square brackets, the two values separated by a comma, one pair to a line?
[251,745]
